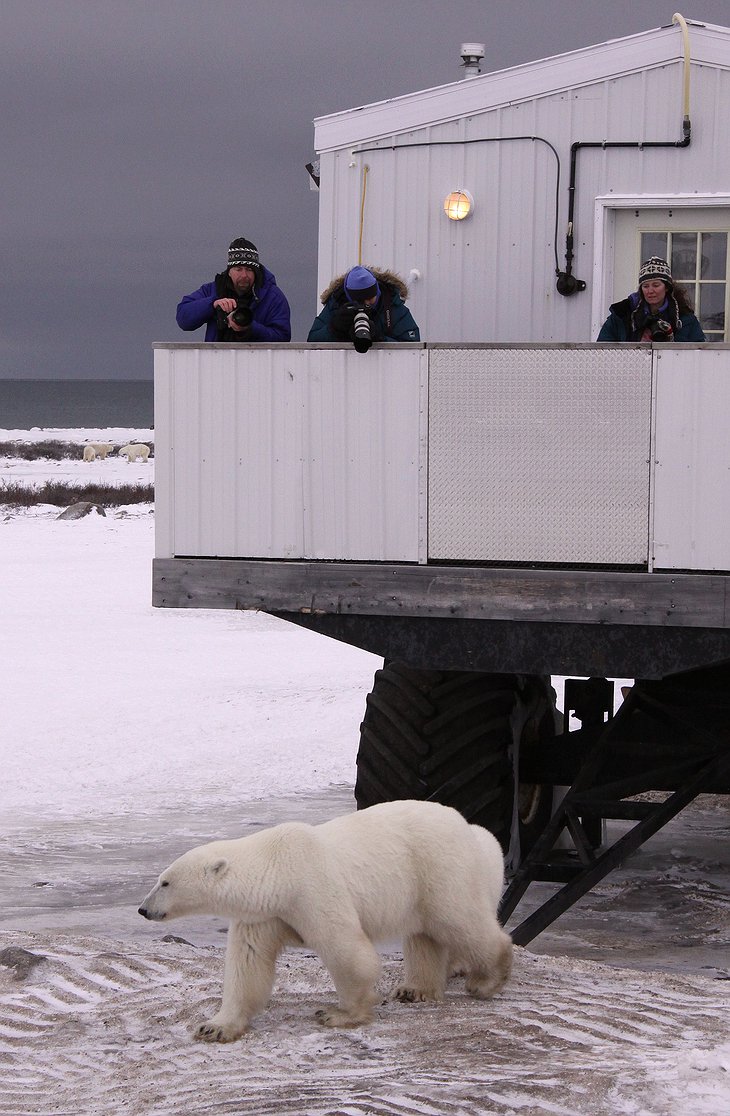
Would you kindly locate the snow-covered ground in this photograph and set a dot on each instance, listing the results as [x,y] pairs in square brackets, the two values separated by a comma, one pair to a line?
[129,734]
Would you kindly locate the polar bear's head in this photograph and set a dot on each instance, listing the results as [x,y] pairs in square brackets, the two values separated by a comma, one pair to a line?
[193,884]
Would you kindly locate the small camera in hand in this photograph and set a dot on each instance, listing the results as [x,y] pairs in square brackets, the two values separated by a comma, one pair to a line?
[362,334]
[660,330]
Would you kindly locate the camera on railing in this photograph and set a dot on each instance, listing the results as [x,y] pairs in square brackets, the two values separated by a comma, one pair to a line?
[362,334]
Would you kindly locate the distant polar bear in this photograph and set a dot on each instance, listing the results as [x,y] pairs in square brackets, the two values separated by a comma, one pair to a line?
[101,449]
[411,870]
[89,453]
[134,451]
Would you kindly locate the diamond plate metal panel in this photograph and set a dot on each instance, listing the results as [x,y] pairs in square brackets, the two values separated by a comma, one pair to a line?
[539,455]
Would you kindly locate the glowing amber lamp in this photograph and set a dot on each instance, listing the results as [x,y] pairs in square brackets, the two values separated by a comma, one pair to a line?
[458,205]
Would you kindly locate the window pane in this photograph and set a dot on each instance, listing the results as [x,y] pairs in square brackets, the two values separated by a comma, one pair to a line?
[712,305]
[714,255]
[684,257]
[653,244]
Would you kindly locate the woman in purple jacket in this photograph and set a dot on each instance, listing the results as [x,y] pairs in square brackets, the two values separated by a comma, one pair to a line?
[243,303]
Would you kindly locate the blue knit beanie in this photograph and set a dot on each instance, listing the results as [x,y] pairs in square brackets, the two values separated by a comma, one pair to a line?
[360,284]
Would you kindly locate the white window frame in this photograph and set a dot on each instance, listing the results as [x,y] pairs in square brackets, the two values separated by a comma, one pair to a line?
[604,220]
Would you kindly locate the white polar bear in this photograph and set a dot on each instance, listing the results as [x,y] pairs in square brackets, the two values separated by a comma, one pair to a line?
[101,449]
[411,870]
[89,453]
[134,451]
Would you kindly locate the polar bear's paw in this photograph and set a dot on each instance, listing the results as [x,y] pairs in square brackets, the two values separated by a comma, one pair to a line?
[336,1017]
[213,1031]
[407,994]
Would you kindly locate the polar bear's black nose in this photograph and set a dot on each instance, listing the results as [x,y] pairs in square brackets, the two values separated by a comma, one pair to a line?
[143,911]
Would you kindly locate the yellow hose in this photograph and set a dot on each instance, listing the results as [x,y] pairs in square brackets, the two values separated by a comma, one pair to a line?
[363,191]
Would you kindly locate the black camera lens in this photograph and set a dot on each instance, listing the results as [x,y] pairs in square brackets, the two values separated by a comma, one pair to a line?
[242,316]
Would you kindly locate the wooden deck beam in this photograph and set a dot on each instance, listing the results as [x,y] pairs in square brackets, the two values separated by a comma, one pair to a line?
[669,600]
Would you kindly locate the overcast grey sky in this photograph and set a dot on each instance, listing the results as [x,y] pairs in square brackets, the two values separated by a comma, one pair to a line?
[140,136]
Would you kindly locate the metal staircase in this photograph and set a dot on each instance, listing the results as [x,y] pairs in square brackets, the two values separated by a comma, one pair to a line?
[671,735]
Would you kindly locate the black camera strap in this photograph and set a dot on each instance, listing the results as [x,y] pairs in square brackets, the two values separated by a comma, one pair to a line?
[387,307]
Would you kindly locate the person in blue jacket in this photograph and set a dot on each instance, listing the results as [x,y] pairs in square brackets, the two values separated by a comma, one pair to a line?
[243,303]
[381,294]
[657,311]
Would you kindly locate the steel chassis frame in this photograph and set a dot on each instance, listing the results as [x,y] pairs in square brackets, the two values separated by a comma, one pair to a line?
[656,741]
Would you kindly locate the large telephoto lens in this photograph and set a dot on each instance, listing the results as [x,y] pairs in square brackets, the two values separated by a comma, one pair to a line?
[362,336]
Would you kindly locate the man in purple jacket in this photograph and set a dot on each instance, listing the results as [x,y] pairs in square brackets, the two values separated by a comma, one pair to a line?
[243,303]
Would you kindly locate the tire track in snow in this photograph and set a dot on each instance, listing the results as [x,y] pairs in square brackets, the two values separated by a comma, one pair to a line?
[100,1030]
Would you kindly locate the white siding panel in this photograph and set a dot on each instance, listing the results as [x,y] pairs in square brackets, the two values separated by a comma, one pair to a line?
[293,452]
[539,455]
[164,496]
[692,459]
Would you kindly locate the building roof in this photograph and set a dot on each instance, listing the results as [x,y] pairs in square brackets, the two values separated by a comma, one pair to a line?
[709,45]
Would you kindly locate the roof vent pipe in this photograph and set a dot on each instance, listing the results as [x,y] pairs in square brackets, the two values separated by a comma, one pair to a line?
[471,56]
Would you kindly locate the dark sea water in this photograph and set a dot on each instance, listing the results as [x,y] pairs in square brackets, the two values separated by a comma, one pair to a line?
[75,403]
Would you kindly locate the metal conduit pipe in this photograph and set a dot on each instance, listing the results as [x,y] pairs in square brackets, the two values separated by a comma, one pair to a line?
[567,283]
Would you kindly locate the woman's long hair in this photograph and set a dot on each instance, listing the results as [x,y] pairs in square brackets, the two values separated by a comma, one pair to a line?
[684,303]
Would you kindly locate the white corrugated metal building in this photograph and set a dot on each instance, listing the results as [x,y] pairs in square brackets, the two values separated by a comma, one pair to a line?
[385,170]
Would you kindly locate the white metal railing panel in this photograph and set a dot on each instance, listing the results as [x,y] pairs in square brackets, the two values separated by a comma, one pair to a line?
[293,451]
[164,501]
[692,458]
[539,454]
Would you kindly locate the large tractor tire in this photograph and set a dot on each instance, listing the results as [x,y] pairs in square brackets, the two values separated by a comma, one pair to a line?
[453,737]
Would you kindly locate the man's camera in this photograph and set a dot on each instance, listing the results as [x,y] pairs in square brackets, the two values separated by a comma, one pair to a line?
[362,334]
[351,322]
[242,315]
[660,330]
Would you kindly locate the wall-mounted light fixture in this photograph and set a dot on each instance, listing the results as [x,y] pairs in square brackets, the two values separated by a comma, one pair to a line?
[458,205]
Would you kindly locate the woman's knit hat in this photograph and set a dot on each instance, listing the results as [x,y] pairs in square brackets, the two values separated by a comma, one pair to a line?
[656,268]
[242,253]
